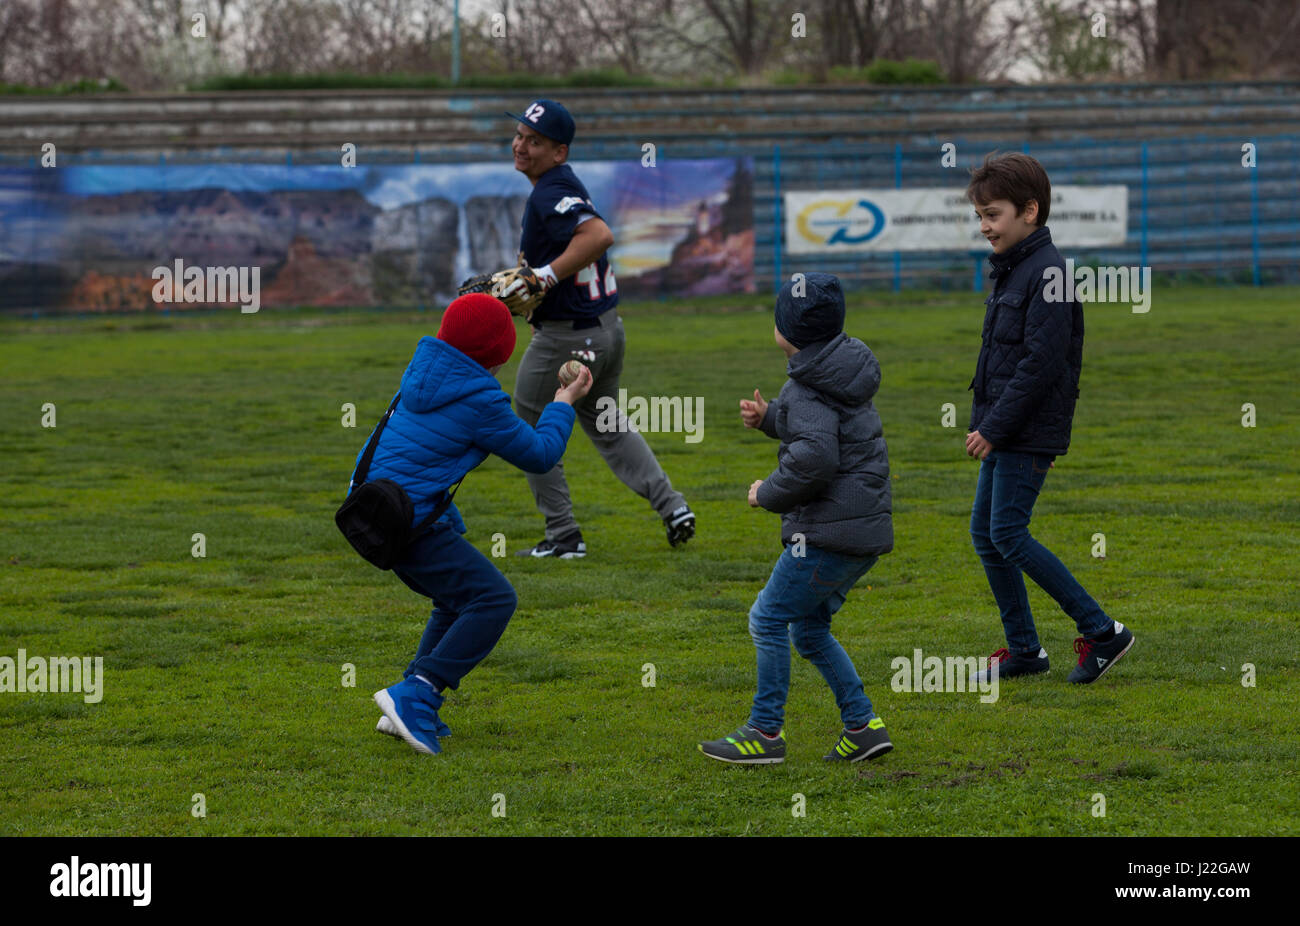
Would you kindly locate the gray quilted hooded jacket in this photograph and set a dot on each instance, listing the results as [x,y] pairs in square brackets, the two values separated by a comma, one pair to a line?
[831,483]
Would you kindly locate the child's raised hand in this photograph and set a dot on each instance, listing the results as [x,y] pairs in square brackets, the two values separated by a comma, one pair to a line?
[751,413]
[571,393]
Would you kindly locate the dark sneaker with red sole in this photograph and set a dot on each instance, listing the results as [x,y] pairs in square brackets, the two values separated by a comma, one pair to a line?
[1096,657]
[1011,665]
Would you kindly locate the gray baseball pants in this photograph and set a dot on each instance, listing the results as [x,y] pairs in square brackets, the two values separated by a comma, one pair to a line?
[625,451]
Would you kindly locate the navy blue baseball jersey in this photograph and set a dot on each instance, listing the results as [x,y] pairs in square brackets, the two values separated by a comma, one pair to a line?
[556,207]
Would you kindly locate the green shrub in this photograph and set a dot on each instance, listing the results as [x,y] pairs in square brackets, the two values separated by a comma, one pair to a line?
[789,77]
[602,77]
[911,71]
[607,77]
[507,81]
[339,81]
[85,85]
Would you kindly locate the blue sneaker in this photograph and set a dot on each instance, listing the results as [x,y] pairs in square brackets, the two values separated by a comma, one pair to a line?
[385,726]
[411,706]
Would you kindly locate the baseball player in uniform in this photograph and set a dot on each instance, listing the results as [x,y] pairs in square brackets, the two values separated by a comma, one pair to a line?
[566,275]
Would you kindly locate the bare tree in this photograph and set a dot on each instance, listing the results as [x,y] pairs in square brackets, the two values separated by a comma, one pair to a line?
[745,31]
[965,40]
[1229,38]
[289,36]
[17,31]
[624,30]
[542,36]
[850,31]
[391,35]
[1087,39]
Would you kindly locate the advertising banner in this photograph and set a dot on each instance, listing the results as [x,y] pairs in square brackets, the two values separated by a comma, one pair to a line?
[938,219]
[107,238]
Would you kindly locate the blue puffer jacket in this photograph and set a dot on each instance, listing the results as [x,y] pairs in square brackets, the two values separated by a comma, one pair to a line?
[1027,376]
[452,414]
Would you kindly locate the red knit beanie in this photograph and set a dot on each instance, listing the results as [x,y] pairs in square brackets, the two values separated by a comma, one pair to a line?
[480,327]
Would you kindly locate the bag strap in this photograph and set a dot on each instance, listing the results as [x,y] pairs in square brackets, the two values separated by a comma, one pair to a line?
[438,510]
[363,469]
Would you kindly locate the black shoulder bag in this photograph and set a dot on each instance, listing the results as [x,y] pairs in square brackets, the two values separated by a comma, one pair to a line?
[376,517]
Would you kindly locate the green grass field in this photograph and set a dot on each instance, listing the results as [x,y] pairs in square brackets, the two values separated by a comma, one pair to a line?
[224,674]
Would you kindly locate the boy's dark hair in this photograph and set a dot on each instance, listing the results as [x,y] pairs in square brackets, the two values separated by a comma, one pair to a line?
[1015,177]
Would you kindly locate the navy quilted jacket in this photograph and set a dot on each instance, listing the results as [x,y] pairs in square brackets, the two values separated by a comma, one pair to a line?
[453,413]
[1027,377]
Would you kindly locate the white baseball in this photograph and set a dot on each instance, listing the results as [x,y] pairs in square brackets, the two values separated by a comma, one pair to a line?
[570,371]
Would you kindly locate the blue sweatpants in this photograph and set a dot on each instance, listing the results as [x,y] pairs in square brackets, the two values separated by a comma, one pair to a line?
[472,603]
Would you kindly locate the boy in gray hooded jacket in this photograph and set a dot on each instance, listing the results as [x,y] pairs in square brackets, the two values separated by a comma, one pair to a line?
[831,488]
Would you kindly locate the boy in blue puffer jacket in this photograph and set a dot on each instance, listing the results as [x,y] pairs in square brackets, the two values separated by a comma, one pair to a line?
[452,414]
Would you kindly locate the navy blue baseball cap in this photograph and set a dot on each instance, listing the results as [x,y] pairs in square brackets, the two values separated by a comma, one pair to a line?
[548,118]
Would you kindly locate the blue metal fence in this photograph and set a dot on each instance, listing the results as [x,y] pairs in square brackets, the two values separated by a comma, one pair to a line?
[1194,209]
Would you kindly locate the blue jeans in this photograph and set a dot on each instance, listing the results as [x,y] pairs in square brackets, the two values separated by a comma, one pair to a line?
[999,527]
[796,606]
[472,603]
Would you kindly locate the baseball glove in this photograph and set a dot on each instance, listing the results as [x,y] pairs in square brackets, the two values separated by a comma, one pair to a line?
[518,287]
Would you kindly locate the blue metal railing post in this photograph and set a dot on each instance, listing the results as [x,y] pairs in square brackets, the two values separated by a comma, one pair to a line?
[898,185]
[1254,216]
[776,215]
[1145,171]
[162,163]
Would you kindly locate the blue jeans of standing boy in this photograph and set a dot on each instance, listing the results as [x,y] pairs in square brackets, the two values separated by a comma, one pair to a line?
[999,526]
[796,606]
[472,603]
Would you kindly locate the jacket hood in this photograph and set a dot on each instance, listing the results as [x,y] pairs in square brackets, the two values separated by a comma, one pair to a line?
[843,367]
[439,374]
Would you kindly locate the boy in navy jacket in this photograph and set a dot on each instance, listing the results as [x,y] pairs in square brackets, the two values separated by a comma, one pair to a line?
[1026,383]
[452,414]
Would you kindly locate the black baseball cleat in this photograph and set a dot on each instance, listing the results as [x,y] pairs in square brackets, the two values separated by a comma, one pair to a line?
[1097,656]
[1010,665]
[570,546]
[680,525]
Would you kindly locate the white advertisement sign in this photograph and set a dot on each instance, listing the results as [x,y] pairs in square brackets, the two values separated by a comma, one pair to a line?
[939,219]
